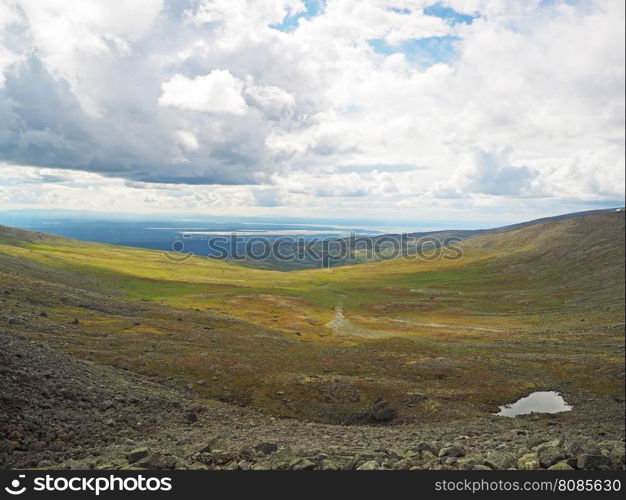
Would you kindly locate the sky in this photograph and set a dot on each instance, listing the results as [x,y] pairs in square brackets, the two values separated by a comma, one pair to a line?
[389,110]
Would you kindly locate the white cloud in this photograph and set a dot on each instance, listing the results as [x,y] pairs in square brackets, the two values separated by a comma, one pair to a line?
[68,34]
[188,140]
[491,173]
[276,103]
[217,92]
[243,13]
[210,92]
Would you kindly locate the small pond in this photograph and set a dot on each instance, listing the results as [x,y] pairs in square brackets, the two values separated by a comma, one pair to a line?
[536,402]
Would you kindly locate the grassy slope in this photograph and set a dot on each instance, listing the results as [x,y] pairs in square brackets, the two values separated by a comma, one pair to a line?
[533,307]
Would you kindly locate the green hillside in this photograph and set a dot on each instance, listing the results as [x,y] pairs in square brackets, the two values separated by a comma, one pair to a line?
[536,307]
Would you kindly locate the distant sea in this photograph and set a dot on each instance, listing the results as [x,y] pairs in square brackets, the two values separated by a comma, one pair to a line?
[163,232]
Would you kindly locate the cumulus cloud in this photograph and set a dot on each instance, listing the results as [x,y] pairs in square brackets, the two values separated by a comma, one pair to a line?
[217,92]
[188,140]
[274,102]
[484,172]
[274,97]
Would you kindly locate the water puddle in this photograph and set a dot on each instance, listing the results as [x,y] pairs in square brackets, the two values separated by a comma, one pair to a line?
[536,402]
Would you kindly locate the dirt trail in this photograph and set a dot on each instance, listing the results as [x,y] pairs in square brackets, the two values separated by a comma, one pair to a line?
[441,325]
[343,326]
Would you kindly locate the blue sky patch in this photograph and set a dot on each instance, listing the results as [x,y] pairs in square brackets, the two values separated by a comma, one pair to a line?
[424,52]
[448,14]
[290,23]
[400,11]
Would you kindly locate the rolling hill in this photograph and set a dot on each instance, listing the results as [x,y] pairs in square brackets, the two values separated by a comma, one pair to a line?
[331,253]
[538,307]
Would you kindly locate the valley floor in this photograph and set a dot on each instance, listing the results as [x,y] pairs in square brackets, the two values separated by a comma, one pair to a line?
[112,357]
[57,411]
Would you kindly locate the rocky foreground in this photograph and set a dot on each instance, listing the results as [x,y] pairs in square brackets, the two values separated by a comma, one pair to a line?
[60,412]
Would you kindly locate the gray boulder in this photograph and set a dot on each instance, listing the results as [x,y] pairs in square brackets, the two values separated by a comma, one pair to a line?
[591,462]
[137,454]
[500,460]
[382,411]
[550,455]
[529,461]
[424,446]
[266,448]
[561,466]
[301,464]
[451,451]
[370,465]
[158,461]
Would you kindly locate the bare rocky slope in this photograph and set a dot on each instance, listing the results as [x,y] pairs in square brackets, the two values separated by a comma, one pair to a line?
[60,412]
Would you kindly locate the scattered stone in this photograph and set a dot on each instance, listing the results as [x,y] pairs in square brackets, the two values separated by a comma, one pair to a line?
[6,447]
[550,455]
[429,459]
[247,453]
[591,462]
[214,444]
[591,449]
[424,446]
[403,464]
[466,463]
[561,466]
[266,448]
[369,465]
[530,461]
[137,454]
[500,460]
[301,464]
[105,405]
[547,444]
[75,465]
[382,411]
[573,448]
[158,461]
[617,453]
[329,465]
[451,451]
